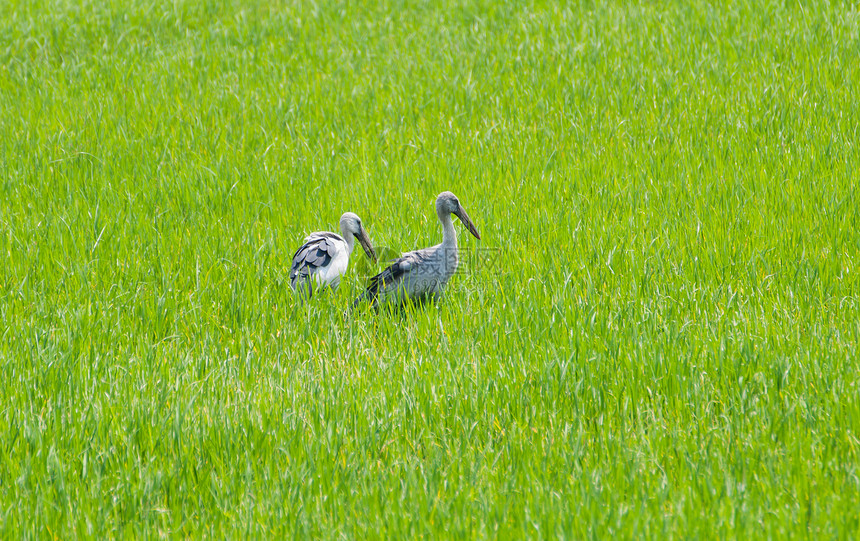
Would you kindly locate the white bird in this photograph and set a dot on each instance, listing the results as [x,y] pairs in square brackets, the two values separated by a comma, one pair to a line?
[423,274]
[324,256]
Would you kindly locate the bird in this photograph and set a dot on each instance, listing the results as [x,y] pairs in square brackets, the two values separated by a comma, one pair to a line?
[324,256]
[422,275]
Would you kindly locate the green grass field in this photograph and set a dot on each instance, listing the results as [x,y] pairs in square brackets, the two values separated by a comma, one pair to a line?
[657,336]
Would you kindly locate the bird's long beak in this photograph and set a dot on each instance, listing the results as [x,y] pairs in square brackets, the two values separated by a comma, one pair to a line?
[461,213]
[364,240]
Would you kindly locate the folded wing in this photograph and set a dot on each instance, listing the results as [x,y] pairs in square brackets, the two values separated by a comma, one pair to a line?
[314,256]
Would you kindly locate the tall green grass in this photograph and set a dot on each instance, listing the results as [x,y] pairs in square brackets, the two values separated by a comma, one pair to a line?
[657,336]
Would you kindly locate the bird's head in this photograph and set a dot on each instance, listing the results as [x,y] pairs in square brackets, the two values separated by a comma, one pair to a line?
[350,224]
[447,203]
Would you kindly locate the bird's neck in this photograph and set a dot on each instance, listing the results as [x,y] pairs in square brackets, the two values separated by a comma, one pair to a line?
[449,235]
[349,238]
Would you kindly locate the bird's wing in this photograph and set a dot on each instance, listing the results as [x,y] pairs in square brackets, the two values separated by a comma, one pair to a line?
[394,273]
[316,253]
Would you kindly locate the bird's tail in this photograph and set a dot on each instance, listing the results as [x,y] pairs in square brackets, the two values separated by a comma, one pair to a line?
[369,294]
[375,286]
[361,299]
[303,287]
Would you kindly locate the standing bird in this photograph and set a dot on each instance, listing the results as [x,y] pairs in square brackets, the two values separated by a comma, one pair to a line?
[324,256]
[423,274]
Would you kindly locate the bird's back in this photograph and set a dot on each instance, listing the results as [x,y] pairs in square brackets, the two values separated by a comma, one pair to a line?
[417,275]
[323,257]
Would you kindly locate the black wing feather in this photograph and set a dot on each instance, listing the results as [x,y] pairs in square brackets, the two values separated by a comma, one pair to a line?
[390,275]
[315,253]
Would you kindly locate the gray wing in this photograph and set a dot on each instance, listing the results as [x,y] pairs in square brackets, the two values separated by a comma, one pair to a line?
[399,269]
[316,253]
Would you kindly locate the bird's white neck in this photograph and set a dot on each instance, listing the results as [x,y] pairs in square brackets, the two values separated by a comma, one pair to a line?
[449,235]
[349,238]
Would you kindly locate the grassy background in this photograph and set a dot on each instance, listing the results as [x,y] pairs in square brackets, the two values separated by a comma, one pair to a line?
[663,343]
